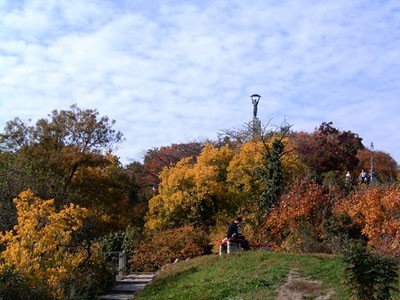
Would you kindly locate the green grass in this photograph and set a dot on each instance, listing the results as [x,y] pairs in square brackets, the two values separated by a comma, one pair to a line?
[246,275]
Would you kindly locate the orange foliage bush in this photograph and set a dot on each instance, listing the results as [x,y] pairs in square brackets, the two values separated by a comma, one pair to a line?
[163,247]
[377,210]
[297,223]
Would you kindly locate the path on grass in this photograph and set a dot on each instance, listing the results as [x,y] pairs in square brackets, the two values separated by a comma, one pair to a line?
[298,287]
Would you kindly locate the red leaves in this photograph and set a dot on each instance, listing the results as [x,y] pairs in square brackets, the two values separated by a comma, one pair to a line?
[306,202]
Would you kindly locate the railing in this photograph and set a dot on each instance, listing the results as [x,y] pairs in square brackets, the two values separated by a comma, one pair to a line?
[119,261]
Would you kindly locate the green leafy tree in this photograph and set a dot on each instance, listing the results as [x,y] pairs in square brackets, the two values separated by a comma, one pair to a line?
[61,157]
[274,177]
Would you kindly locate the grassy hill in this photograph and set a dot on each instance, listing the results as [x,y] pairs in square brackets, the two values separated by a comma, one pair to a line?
[249,275]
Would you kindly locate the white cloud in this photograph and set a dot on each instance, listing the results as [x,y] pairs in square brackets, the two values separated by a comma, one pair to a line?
[170,73]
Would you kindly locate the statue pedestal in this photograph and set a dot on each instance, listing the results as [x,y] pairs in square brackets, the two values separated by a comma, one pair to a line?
[256,125]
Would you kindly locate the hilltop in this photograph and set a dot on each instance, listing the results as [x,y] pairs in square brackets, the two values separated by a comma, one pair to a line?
[251,275]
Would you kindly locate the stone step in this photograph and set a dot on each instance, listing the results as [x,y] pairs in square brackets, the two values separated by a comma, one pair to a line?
[126,287]
[116,297]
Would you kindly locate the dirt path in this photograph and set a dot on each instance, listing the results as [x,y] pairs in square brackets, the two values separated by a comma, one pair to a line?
[297,287]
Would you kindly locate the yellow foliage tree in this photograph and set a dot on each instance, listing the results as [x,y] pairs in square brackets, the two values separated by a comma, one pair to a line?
[191,193]
[219,185]
[243,177]
[243,168]
[41,246]
[245,180]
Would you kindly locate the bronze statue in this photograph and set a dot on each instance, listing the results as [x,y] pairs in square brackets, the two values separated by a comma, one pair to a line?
[255,99]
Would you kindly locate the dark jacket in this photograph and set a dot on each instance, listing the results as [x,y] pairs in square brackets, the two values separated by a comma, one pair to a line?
[233,230]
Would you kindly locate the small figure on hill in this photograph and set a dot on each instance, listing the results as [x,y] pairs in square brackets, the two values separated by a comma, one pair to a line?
[348,178]
[234,232]
[363,176]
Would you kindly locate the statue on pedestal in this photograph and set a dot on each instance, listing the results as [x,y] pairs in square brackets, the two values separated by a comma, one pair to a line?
[256,123]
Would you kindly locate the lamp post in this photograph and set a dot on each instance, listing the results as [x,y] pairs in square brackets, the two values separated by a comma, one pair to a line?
[372,172]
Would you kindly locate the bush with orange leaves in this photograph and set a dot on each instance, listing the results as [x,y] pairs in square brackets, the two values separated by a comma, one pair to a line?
[297,223]
[163,247]
[377,210]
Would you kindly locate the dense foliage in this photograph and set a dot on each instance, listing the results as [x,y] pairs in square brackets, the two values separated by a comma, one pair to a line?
[158,249]
[376,210]
[371,276]
[47,251]
[328,149]
[290,188]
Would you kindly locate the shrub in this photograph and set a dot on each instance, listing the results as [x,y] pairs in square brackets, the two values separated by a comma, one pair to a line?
[161,248]
[339,230]
[13,285]
[370,276]
[376,210]
[303,240]
[122,240]
[300,215]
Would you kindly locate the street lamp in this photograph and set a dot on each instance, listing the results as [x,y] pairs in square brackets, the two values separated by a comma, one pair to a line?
[372,173]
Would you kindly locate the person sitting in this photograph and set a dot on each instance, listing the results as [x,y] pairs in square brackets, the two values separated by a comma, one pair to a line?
[234,233]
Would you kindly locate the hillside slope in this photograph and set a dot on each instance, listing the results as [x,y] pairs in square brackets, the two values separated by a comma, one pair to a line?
[251,275]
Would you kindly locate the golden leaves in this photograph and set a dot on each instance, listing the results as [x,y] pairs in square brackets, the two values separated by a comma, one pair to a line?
[39,245]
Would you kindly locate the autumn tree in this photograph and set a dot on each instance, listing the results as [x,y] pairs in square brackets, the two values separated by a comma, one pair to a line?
[55,149]
[52,157]
[46,249]
[158,250]
[192,193]
[156,159]
[17,135]
[104,189]
[297,223]
[376,210]
[235,138]
[262,168]
[145,176]
[7,191]
[328,149]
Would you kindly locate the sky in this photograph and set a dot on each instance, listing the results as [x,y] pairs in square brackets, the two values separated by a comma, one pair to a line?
[179,71]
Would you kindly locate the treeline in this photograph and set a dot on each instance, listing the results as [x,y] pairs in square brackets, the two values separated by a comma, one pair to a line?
[66,200]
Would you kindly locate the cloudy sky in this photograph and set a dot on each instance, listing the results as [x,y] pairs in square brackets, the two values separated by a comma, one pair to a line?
[176,71]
